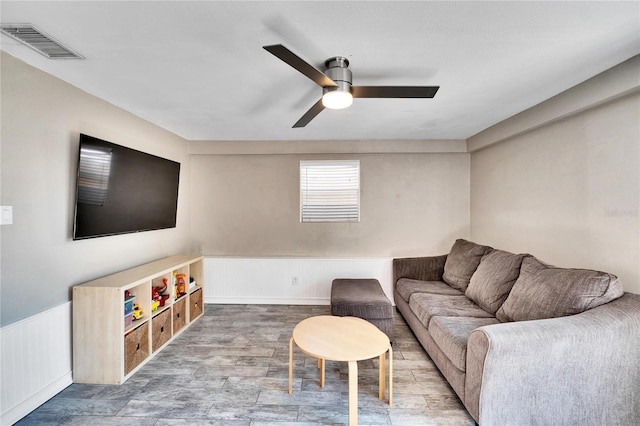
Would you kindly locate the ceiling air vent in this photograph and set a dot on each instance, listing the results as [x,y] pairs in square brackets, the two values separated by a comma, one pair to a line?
[39,41]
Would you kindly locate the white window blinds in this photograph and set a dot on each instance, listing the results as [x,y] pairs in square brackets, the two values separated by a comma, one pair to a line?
[330,191]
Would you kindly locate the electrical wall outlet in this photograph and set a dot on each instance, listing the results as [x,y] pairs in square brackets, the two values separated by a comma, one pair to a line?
[294,280]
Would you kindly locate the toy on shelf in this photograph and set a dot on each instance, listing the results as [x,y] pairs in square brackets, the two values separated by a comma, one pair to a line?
[128,307]
[137,312]
[128,304]
[158,296]
[164,294]
[180,285]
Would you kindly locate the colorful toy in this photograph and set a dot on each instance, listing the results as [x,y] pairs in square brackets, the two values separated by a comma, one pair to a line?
[159,293]
[137,312]
[158,298]
[180,285]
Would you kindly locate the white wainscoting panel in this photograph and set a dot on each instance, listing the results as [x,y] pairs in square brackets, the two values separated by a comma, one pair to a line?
[35,361]
[271,280]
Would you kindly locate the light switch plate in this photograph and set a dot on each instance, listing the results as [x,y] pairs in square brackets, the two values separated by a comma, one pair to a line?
[6,215]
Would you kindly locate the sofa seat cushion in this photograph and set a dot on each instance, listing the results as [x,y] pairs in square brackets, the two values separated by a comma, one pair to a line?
[492,281]
[426,305]
[451,335]
[545,291]
[462,262]
[407,286]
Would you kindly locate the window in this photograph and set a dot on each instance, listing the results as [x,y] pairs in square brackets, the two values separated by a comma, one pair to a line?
[330,191]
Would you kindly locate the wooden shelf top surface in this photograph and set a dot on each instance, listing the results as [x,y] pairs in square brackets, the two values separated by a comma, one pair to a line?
[133,276]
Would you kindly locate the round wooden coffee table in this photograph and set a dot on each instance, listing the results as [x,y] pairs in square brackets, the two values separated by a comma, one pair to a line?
[346,339]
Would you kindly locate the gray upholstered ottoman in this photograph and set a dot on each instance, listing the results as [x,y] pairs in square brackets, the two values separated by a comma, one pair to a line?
[362,298]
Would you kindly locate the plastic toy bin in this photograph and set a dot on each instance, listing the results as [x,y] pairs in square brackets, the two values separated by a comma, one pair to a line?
[128,305]
[128,319]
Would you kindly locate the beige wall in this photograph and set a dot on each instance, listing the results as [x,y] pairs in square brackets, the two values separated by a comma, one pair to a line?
[42,118]
[567,191]
[411,204]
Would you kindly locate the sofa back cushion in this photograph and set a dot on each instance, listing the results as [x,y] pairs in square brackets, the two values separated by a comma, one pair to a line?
[545,291]
[462,262]
[491,283]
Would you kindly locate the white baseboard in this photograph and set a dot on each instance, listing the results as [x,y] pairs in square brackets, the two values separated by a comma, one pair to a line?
[299,281]
[265,301]
[14,414]
[35,361]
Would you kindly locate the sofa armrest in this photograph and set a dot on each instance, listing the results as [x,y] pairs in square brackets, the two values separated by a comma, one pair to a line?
[419,268]
[580,369]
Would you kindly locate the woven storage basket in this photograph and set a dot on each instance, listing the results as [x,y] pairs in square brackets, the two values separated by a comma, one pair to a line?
[195,304]
[179,314]
[136,347]
[161,329]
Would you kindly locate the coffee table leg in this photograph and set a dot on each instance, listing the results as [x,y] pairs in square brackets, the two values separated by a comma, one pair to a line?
[290,365]
[353,393]
[321,372]
[390,375]
[381,376]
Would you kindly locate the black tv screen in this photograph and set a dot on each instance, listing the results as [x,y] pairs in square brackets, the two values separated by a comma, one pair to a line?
[120,190]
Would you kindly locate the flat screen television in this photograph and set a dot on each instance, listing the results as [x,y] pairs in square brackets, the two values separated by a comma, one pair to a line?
[121,190]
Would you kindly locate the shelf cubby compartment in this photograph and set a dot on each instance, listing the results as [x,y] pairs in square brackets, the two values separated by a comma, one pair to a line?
[196,272]
[140,293]
[161,286]
[181,281]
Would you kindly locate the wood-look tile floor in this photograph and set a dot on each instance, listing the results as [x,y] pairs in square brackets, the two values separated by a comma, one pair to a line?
[231,368]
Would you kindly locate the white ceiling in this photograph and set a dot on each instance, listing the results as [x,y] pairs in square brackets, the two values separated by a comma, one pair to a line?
[198,68]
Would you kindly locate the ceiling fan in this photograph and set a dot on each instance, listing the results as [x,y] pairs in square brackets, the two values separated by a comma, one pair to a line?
[337,90]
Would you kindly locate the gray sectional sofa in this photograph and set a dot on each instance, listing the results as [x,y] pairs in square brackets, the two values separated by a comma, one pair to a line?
[522,342]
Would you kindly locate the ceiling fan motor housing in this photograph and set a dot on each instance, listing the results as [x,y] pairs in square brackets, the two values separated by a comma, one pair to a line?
[338,71]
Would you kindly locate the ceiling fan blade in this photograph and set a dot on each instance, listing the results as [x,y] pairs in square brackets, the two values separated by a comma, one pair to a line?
[300,64]
[394,91]
[310,115]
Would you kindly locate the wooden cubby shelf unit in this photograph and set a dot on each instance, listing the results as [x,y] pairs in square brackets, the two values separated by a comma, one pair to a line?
[108,350]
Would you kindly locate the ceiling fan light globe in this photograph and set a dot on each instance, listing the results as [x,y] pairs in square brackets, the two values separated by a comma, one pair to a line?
[337,99]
